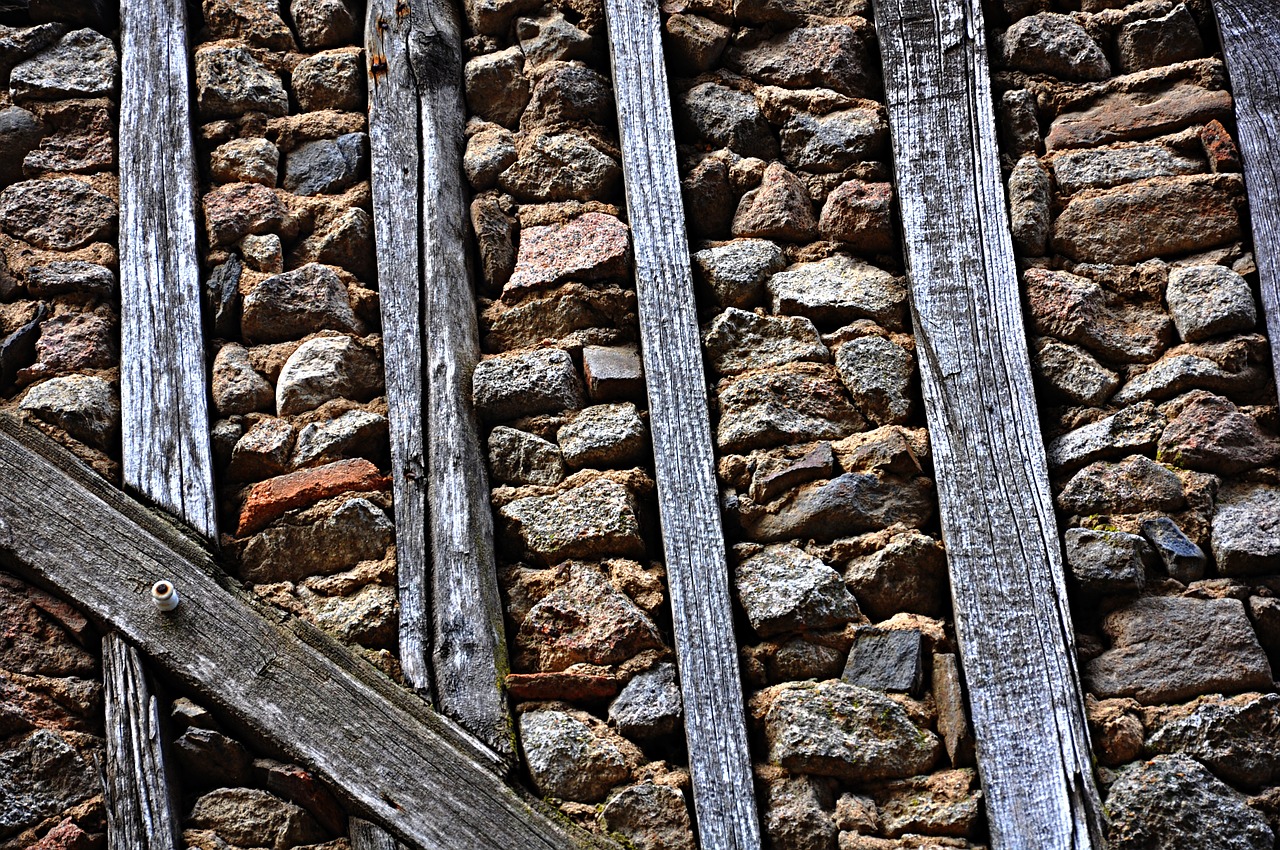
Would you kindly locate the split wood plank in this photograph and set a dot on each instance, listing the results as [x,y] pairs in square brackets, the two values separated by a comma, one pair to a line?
[1003,551]
[1250,31]
[388,756]
[688,497]
[163,393]
[139,808]
[368,836]
[416,55]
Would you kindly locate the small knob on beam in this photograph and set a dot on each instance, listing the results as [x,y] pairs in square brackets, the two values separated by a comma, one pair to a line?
[164,595]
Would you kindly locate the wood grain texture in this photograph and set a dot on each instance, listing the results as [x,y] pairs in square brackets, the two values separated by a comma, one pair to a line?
[1011,614]
[368,836]
[684,464]
[163,394]
[390,757]
[396,176]
[1250,31]
[140,813]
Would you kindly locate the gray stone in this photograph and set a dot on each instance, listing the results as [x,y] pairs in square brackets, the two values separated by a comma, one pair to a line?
[356,433]
[246,161]
[1076,309]
[20,133]
[1103,168]
[724,118]
[223,435]
[650,817]
[1246,530]
[650,705]
[326,368]
[561,167]
[57,215]
[83,63]
[237,388]
[833,56]
[1132,430]
[1207,301]
[222,298]
[569,757]
[1264,611]
[603,435]
[497,89]
[613,372]
[567,93]
[1132,485]
[736,271]
[492,17]
[592,521]
[796,814]
[838,290]
[1172,801]
[737,341]
[840,730]
[834,142]
[18,349]
[1182,372]
[1029,206]
[887,660]
[296,303]
[524,384]
[488,154]
[779,208]
[694,43]
[43,776]
[848,504]
[262,452]
[327,166]
[210,758]
[785,404]
[357,530]
[263,253]
[333,79]
[1072,372]
[1211,434]
[939,804]
[367,617]
[518,457]
[1152,42]
[324,23]
[19,43]
[1019,127]
[1054,44]
[249,817]
[71,276]
[878,373]
[710,201]
[1106,561]
[86,407]
[1182,559]
[782,589]
[230,82]
[953,717]
[1234,738]
[907,574]
[550,37]
[1169,649]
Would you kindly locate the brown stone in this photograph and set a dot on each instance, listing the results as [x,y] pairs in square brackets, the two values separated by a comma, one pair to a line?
[234,211]
[1219,147]
[57,215]
[271,499]
[561,685]
[257,22]
[861,214]
[1116,729]
[573,314]
[593,246]
[1137,115]
[833,56]
[1211,434]
[778,209]
[81,137]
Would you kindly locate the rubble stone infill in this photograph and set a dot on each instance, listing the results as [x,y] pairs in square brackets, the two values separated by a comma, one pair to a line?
[1157,403]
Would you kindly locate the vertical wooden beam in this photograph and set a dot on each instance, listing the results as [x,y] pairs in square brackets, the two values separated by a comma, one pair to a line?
[1011,614]
[1250,31]
[367,836]
[423,42]
[688,498]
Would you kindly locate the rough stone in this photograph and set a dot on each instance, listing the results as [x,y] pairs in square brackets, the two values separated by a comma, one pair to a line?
[550,37]
[694,43]
[784,404]
[879,374]
[249,817]
[324,23]
[602,436]
[796,813]
[257,22]
[73,342]
[211,758]
[43,776]
[357,530]
[1029,217]
[1075,309]
[1183,560]
[234,211]
[1121,116]
[263,253]
[566,93]
[523,384]
[1264,611]
[333,79]
[1211,434]
[86,407]
[779,208]
[80,137]
[1071,372]
[1220,148]
[1106,561]
[858,814]
[327,166]
[1152,42]
[1019,126]
[860,214]
[497,89]
[262,452]
[909,574]
[495,233]
[369,616]
[1246,530]
[237,388]
[833,56]
[20,133]
[488,154]
[1134,484]
[1181,372]
[735,272]
[940,804]
[836,141]
[722,117]
[709,199]
[1104,168]
[774,476]
[518,457]
[356,433]
[492,17]
[782,589]
[1169,649]
[269,500]
[838,290]
[953,718]
[41,634]
[613,372]
[1054,44]
[737,341]
[296,303]
[230,82]
[20,43]
[887,660]
[1172,801]
[74,276]
[594,520]
[57,215]
[1234,738]
[82,63]
[1131,430]
[650,817]
[326,368]
[1207,301]
[561,167]
[570,757]
[650,705]
[840,730]
[222,298]
[593,246]
[848,504]
[246,161]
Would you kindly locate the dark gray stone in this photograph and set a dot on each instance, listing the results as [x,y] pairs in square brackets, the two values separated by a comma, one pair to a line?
[835,141]
[329,80]
[1135,484]
[263,452]
[736,271]
[1106,561]
[19,43]
[1072,372]
[222,298]
[887,660]
[327,166]
[569,94]
[722,117]
[236,387]
[18,349]
[1246,530]
[497,89]
[797,814]
[75,276]
[1134,429]
[20,133]
[1152,42]
[833,56]
[613,372]
[550,36]
[782,589]
[86,407]
[650,705]
[41,776]
[1029,206]
[324,23]
[297,303]
[1054,44]
[83,63]
[356,433]
[209,758]
[1019,128]
[774,476]
[1234,738]
[848,504]
[488,154]
[57,215]
[1182,559]
[356,531]
[512,385]
[518,457]
[908,574]
[1103,168]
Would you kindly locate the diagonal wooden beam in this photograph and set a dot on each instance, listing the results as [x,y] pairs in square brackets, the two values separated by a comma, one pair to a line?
[386,754]
[684,465]
[1250,31]
[1011,614]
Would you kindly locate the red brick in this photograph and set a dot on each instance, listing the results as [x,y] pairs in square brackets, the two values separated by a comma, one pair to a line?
[272,498]
[570,686]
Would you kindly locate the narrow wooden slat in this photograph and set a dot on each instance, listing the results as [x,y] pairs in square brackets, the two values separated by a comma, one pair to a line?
[396,175]
[688,498]
[162,371]
[1011,614]
[1250,31]
[386,753]
[139,808]
[368,836]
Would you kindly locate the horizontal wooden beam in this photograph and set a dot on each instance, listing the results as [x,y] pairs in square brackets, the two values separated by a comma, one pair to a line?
[386,753]
[998,524]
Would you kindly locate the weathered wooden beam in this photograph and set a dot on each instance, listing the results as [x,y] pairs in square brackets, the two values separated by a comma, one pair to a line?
[162,370]
[368,836]
[1011,614]
[388,756]
[684,465]
[139,809]
[1250,31]
[416,118]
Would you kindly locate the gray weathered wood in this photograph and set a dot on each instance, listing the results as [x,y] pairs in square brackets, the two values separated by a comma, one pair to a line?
[1250,31]
[396,176]
[368,836]
[688,498]
[162,372]
[1011,614]
[387,755]
[139,809]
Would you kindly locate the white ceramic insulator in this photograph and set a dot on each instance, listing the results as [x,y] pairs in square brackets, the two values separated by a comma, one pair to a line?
[165,595]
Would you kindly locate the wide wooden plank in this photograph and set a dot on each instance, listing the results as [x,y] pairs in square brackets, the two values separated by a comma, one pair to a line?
[162,371]
[1250,31]
[688,498]
[389,757]
[1011,614]
[139,809]
[396,175]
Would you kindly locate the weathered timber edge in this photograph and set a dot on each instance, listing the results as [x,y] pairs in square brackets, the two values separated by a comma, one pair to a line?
[386,754]
[684,464]
[1250,33]
[1011,616]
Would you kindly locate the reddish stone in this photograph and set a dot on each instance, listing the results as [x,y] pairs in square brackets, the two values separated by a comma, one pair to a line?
[65,836]
[570,686]
[299,786]
[778,209]
[590,247]
[861,214]
[1137,115]
[31,641]
[271,499]
[237,210]
[1219,147]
